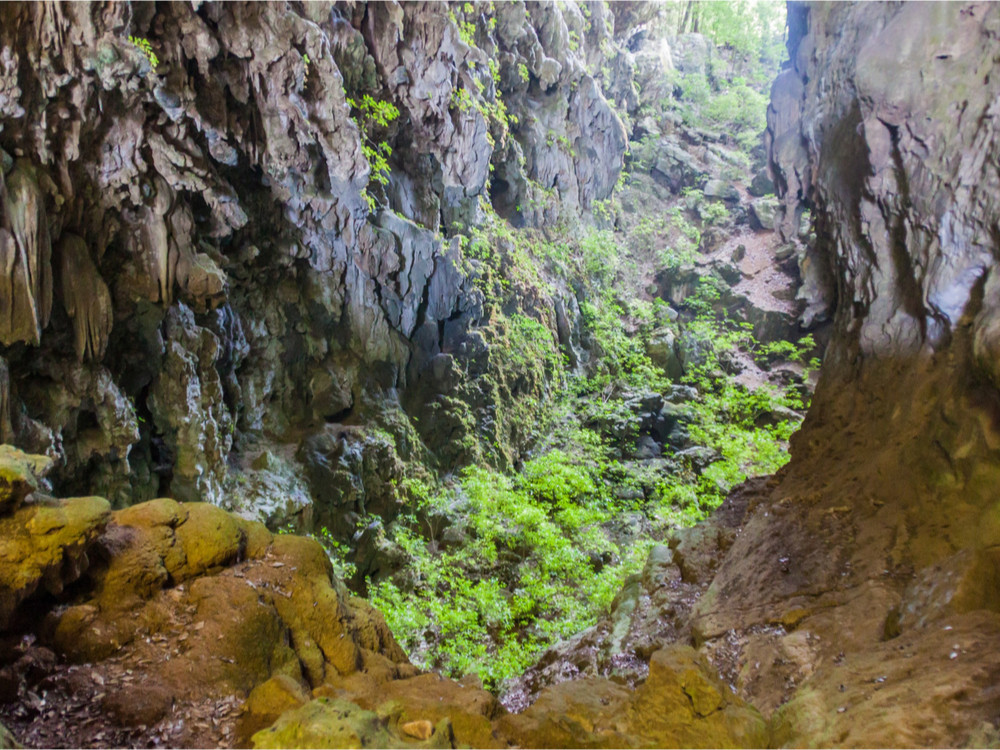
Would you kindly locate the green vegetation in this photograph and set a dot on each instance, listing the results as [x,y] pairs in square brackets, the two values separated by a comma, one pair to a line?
[531,541]
[728,93]
[519,569]
[728,105]
[500,567]
[753,30]
[143,45]
[372,115]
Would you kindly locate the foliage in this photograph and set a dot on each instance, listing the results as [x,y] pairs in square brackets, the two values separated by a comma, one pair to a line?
[752,29]
[370,116]
[501,565]
[522,578]
[486,99]
[143,45]
[466,28]
[728,415]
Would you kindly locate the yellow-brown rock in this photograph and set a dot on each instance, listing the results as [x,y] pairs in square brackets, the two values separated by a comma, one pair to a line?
[681,704]
[210,538]
[325,723]
[432,698]
[45,546]
[273,697]
[212,606]
[18,476]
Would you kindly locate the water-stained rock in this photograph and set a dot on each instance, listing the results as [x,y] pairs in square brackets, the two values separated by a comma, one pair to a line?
[85,297]
[26,257]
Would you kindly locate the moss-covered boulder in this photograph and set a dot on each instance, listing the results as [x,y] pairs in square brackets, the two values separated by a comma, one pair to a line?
[428,699]
[19,473]
[325,722]
[269,700]
[45,546]
[211,607]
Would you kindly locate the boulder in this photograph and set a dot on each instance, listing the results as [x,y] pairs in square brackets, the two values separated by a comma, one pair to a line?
[326,722]
[761,185]
[721,190]
[270,699]
[662,351]
[682,703]
[762,212]
[45,546]
[19,475]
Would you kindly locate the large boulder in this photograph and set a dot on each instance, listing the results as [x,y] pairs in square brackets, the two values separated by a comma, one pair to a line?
[45,546]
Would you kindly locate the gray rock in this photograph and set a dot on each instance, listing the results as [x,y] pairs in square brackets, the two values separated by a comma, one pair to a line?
[662,351]
[646,447]
[761,185]
[675,167]
[721,190]
[762,212]
[691,53]
[699,456]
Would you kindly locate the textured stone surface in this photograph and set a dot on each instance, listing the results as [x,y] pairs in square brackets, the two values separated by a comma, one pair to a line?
[19,476]
[44,546]
[681,704]
[192,241]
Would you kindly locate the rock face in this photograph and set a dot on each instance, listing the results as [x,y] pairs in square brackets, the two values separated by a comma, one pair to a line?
[219,605]
[219,618]
[877,548]
[190,228]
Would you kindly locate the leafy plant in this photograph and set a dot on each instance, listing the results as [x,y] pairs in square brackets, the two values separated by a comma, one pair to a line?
[143,45]
[370,115]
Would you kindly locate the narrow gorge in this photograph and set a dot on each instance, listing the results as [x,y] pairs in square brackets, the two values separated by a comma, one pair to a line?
[499,374]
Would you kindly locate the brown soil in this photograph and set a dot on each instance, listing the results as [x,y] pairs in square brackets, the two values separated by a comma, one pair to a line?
[84,705]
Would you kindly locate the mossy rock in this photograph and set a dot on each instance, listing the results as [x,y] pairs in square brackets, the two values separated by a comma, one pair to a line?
[160,517]
[46,546]
[316,612]
[683,703]
[258,539]
[272,698]
[580,713]
[324,723]
[19,473]
[210,538]
[432,698]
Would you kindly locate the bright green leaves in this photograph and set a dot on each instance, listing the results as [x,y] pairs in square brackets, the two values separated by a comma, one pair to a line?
[372,115]
[521,579]
[143,45]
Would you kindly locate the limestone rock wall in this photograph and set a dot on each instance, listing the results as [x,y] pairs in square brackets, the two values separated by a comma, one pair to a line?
[880,539]
[186,241]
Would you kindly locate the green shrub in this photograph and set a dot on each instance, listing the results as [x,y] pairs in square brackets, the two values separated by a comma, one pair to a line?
[521,581]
